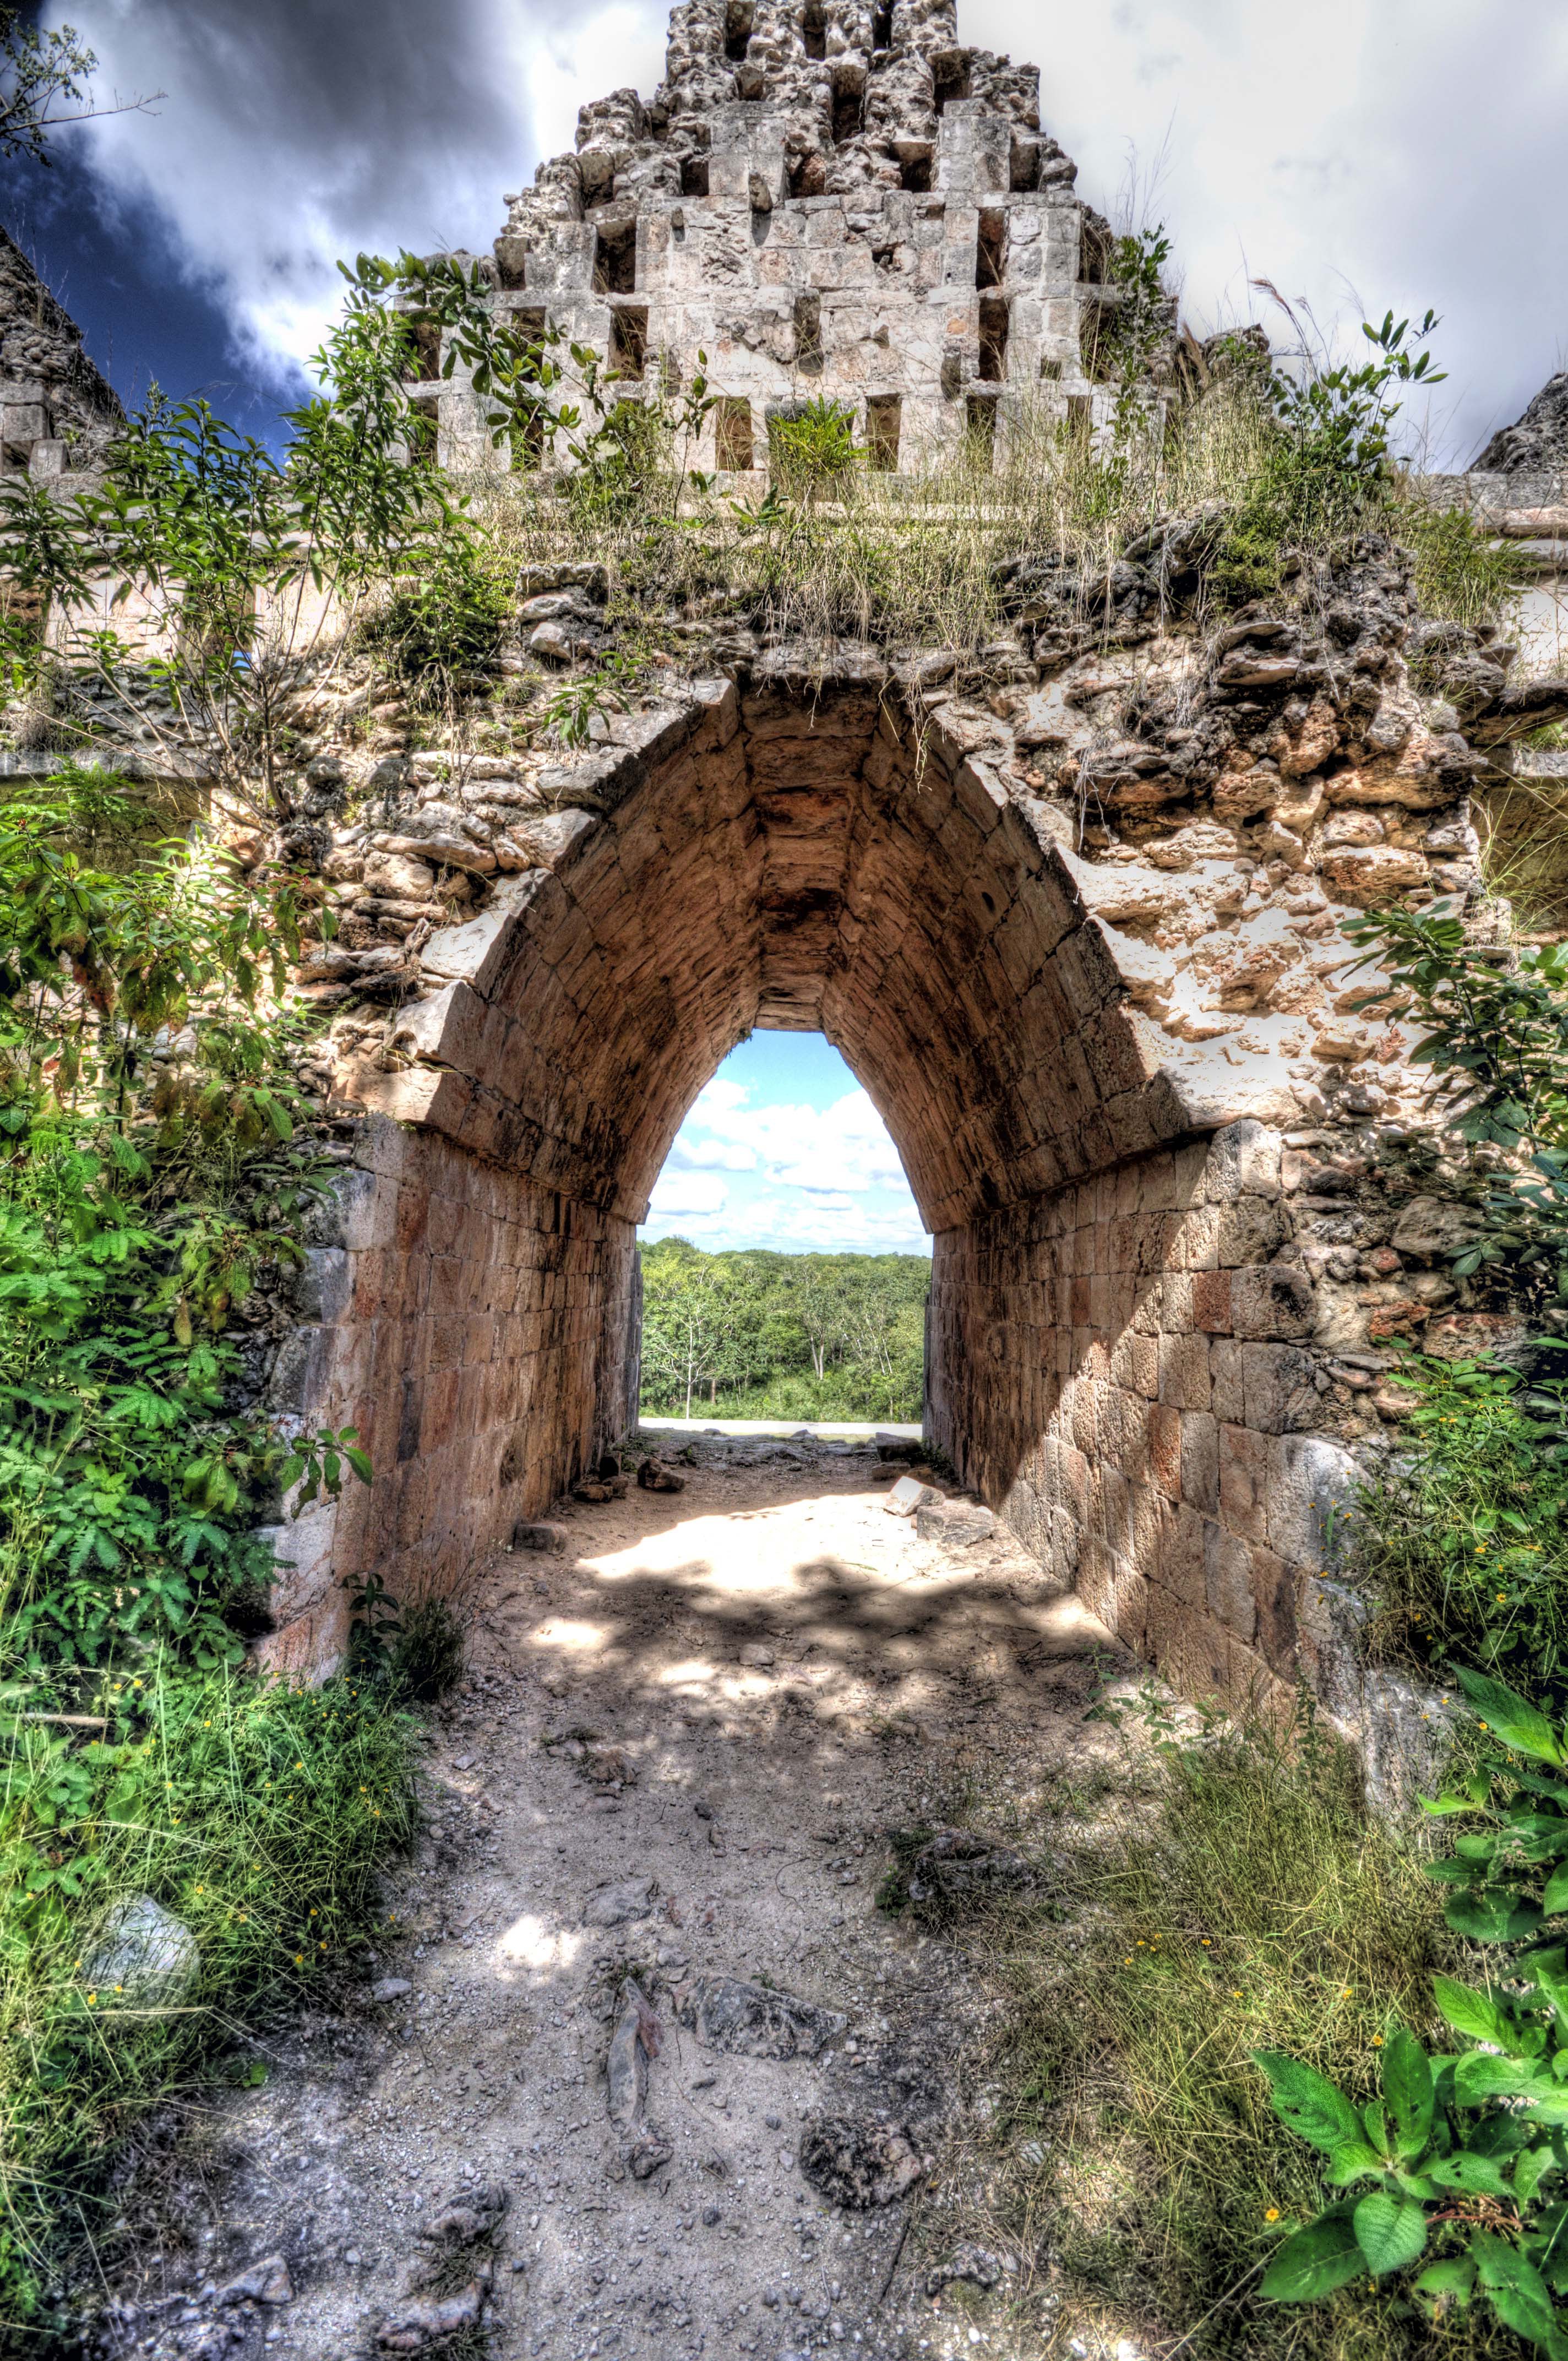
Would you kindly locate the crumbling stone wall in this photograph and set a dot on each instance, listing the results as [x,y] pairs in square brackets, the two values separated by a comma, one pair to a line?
[57,411]
[1081,937]
[823,198]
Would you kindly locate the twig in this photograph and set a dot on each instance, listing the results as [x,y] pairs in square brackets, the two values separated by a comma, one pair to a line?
[72,1720]
[897,2258]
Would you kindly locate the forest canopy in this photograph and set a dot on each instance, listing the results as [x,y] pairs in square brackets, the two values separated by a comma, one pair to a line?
[757,1334]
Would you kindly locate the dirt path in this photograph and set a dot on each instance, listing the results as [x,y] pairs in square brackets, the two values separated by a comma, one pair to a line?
[671,1770]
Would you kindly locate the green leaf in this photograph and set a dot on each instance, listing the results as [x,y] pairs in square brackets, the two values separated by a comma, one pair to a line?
[1530,2168]
[1555,1898]
[1469,2011]
[1407,2087]
[1448,2282]
[1477,2175]
[1390,2231]
[1493,1915]
[1516,2289]
[1311,2106]
[1510,1717]
[1353,2161]
[1315,2261]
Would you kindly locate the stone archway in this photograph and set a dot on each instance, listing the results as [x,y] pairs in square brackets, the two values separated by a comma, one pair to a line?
[1112,1355]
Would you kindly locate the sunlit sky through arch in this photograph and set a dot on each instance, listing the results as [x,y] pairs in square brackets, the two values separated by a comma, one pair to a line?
[784,1149]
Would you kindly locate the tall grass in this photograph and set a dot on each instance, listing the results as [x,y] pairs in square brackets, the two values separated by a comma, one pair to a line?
[917,561]
[910,560]
[1247,1904]
[258,1815]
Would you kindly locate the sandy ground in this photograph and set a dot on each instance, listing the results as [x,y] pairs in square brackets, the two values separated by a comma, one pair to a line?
[719,1701]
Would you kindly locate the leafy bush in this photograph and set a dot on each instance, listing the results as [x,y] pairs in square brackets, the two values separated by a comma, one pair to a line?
[1494,1035]
[1464,1538]
[1326,474]
[435,632]
[258,1815]
[1466,2152]
[153,1175]
[812,451]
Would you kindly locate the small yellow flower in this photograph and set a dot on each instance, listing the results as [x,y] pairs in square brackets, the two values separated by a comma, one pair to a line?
[1483,1725]
[206,1725]
[1235,1996]
[1271,2214]
[92,2000]
[1502,1598]
[1377,2041]
[1345,1994]
[1208,1946]
[298,1958]
[1128,1961]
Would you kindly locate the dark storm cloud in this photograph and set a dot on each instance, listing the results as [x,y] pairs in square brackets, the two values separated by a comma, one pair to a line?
[296,131]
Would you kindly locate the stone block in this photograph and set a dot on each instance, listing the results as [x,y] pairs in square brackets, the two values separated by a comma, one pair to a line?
[1184,1372]
[1212,1302]
[553,1541]
[1312,1494]
[1199,1460]
[1228,1570]
[1274,1301]
[1279,1394]
[1243,1158]
[954,1524]
[1244,1470]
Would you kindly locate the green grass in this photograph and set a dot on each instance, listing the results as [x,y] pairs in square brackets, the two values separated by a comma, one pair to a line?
[259,1815]
[1246,1903]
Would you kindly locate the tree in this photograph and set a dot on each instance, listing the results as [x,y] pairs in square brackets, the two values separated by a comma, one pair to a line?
[696,1311]
[38,69]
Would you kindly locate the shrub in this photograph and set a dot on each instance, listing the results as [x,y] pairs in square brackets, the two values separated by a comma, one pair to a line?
[258,1815]
[1465,2153]
[1464,1537]
[435,632]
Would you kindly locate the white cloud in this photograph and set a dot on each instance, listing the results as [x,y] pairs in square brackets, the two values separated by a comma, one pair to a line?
[680,1194]
[304,131]
[710,1155]
[842,1146]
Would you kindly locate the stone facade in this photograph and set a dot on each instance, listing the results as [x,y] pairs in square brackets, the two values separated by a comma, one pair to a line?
[1080,938]
[824,198]
[57,411]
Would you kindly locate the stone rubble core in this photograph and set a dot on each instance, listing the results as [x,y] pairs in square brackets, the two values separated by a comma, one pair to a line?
[1077,923]
[824,199]
[58,413]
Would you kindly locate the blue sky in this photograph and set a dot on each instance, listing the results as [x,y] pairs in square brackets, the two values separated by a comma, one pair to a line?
[784,1149]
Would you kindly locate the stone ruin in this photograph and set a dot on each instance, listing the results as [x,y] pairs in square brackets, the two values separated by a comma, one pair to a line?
[825,199]
[1072,908]
[57,411]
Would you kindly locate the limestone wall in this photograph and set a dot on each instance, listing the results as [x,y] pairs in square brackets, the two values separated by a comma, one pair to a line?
[1083,943]
[477,1329]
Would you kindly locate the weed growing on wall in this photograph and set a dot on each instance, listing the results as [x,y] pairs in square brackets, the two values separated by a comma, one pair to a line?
[1463,1536]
